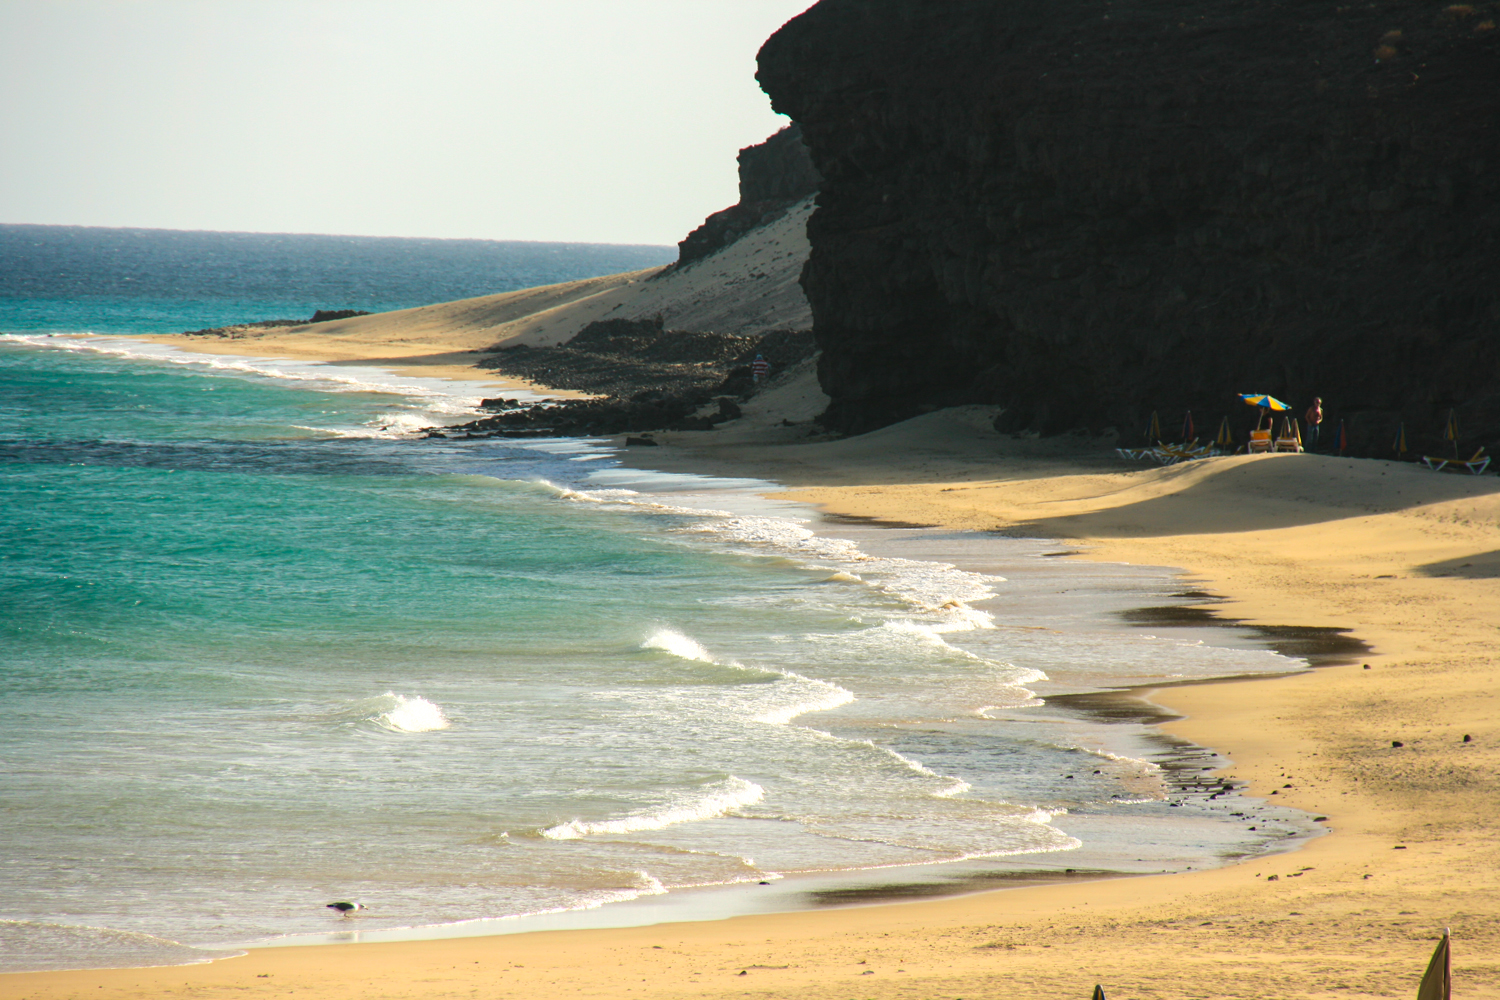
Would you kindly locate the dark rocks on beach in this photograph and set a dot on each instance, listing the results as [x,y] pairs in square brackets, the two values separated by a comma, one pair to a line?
[262,325]
[326,315]
[1084,213]
[589,417]
[623,357]
[244,329]
[651,378]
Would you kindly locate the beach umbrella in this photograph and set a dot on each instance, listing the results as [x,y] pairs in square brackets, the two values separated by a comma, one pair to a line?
[1099,993]
[1343,437]
[1437,982]
[1263,401]
[1226,437]
[1188,433]
[1400,443]
[1450,433]
[1154,434]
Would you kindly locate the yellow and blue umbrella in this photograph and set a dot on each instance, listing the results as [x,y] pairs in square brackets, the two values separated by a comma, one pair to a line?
[1263,401]
[1154,432]
[1400,443]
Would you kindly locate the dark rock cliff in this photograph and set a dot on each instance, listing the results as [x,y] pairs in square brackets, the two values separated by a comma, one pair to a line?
[1084,210]
[774,175]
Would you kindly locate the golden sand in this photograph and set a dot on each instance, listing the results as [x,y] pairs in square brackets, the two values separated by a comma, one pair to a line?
[1405,558]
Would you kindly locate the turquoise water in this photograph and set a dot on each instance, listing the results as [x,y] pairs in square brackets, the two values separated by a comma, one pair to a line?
[77,278]
[261,649]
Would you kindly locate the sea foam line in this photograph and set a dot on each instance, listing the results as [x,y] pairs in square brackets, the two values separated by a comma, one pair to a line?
[434,394]
[730,794]
[822,696]
[934,588]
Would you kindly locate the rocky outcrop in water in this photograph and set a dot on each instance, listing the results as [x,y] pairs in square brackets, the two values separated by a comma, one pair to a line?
[774,176]
[1085,210]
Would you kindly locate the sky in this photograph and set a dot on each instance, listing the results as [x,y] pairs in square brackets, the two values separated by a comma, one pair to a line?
[600,121]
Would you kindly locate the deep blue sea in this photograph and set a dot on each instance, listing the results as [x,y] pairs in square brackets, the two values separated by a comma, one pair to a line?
[261,649]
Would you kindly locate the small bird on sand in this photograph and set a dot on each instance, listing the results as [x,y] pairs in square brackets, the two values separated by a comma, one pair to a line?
[346,908]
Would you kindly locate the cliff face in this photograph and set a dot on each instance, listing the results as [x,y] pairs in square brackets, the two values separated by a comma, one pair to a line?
[774,176]
[1084,210]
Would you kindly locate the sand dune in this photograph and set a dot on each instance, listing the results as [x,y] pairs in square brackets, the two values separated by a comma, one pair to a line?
[748,287]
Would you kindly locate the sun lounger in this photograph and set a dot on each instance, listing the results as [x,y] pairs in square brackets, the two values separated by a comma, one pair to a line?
[1171,454]
[1168,454]
[1260,441]
[1474,466]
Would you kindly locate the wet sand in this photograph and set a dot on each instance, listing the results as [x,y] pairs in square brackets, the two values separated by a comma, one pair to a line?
[1380,553]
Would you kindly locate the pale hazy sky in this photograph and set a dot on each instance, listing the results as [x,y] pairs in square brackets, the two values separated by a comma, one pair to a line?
[609,121]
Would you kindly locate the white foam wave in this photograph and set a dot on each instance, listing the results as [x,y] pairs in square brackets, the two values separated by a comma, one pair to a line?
[387,426]
[792,695]
[1144,765]
[712,802]
[808,695]
[1001,678]
[939,590]
[407,714]
[954,786]
[627,500]
[437,396]
[670,641]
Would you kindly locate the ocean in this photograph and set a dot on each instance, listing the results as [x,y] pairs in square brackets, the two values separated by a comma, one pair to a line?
[264,649]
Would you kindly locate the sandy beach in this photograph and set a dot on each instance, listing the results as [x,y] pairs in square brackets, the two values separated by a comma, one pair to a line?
[1402,558]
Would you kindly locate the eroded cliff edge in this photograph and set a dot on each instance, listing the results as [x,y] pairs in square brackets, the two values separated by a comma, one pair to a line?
[1085,210]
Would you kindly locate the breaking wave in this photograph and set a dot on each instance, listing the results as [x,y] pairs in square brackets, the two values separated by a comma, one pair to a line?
[716,800]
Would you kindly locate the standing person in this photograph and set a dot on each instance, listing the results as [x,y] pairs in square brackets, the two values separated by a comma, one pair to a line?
[1314,417]
[760,368]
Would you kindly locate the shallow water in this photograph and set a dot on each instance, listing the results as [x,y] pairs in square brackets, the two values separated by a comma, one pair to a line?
[263,651]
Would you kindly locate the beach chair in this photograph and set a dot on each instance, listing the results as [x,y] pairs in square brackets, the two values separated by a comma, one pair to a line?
[1473,466]
[1260,441]
[1291,437]
[1171,454]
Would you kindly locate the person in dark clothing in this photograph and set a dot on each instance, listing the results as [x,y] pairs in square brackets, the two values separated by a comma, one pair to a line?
[1314,418]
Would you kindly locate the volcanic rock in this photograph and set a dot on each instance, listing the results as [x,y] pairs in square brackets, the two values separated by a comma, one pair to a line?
[1085,210]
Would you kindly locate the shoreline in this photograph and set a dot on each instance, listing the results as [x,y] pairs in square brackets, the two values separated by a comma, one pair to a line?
[841,889]
[1161,934]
